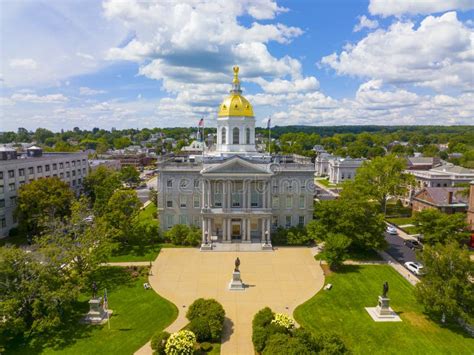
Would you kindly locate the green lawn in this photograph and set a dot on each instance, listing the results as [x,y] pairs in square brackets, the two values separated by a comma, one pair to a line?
[326,183]
[400,221]
[138,313]
[358,255]
[341,310]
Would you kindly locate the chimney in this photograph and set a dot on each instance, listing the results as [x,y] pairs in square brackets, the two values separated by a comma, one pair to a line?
[450,197]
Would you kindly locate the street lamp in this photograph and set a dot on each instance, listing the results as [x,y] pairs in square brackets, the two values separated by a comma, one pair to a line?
[266,237]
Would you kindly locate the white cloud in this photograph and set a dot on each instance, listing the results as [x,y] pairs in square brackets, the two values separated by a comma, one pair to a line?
[438,54]
[412,7]
[33,98]
[279,86]
[23,63]
[85,55]
[85,91]
[365,22]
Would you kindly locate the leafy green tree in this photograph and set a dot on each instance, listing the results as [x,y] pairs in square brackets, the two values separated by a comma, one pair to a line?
[379,179]
[447,290]
[100,185]
[359,220]
[35,297]
[121,214]
[335,249]
[41,134]
[439,227]
[42,199]
[130,175]
[80,241]
[181,234]
[122,142]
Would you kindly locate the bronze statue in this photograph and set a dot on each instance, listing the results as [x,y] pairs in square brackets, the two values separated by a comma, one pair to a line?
[94,289]
[237,264]
[385,289]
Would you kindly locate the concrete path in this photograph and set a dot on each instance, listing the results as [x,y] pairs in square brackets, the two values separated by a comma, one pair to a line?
[281,280]
[128,263]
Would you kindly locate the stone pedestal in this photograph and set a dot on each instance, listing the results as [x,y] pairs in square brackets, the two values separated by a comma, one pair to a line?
[96,314]
[383,312]
[267,246]
[206,247]
[236,283]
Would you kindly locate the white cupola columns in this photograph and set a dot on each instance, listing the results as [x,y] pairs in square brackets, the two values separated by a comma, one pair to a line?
[236,134]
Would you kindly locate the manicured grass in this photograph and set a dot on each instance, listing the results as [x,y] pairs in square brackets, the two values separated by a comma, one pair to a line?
[400,221]
[328,184]
[149,212]
[341,310]
[358,255]
[138,313]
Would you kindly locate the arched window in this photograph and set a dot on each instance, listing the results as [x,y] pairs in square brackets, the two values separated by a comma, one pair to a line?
[235,135]
[223,135]
[247,136]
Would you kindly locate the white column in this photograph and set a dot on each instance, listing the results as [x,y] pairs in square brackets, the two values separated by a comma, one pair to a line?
[209,194]
[203,230]
[244,194]
[262,223]
[229,228]
[269,195]
[203,193]
[229,194]
[224,194]
[244,229]
[249,229]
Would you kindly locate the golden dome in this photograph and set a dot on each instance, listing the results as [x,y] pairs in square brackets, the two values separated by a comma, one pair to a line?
[235,104]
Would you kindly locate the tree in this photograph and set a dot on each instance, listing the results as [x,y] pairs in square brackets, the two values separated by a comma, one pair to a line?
[80,242]
[99,186]
[447,290]
[42,199]
[439,227]
[130,175]
[359,220]
[122,213]
[335,249]
[35,298]
[380,179]
[181,234]
[122,142]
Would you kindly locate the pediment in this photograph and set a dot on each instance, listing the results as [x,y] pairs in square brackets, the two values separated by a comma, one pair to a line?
[236,166]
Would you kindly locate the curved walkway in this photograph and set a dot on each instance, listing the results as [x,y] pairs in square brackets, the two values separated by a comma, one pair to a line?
[281,280]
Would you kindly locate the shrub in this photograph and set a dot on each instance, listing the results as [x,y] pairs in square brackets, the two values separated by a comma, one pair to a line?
[206,347]
[284,344]
[330,343]
[283,321]
[210,311]
[262,318]
[180,343]
[200,327]
[259,338]
[181,234]
[279,237]
[335,249]
[158,342]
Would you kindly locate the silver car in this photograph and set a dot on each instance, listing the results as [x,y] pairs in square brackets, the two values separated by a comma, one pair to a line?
[415,268]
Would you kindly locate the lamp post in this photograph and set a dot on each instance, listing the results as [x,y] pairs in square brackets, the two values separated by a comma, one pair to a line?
[266,237]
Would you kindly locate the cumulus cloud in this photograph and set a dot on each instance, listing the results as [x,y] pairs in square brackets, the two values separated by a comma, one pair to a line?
[365,22]
[37,99]
[438,54]
[23,63]
[410,7]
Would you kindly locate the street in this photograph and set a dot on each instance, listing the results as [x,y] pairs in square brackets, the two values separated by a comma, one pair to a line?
[398,250]
[144,193]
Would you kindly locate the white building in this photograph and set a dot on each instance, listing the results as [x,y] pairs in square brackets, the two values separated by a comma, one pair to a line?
[233,192]
[18,170]
[446,175]
[336,168]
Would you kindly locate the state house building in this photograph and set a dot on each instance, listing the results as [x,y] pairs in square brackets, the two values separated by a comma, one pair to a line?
[233,192]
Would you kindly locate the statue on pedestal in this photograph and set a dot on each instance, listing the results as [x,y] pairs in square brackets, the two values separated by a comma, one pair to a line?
[237,264]
[94,289]
[385,289]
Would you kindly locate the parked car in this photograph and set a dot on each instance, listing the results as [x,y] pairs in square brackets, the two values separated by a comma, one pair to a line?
[392,230]
[414,267]
[413,244]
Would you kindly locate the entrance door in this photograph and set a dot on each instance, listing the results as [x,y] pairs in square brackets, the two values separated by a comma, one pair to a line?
[236,230]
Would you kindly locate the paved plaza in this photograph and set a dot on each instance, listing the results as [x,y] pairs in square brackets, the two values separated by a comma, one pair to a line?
[282,280]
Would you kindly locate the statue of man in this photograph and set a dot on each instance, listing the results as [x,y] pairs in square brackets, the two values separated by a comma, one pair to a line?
[385,289]
[94,289]
[237,264]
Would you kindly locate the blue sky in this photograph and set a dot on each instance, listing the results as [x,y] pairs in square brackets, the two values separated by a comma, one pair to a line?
[145,64]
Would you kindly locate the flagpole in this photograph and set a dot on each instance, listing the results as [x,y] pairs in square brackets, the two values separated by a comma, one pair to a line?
[269,137]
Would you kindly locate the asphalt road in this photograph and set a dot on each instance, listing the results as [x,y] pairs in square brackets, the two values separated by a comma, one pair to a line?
[398,250]
[144,193]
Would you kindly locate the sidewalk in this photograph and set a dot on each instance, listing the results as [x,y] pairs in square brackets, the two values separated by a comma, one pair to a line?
[127,263]
[407,275]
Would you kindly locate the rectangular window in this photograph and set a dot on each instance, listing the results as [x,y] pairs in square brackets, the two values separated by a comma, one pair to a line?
[3,222]
[30,170]
[73,182]
[13,201]
[68,164]
[74,173]
[183,219]
[46,167]
[1,174]
[39,169]
[84,171]
[79,181]
[1,189]
[74,163]
[182,201]
[342,176]
[78,172]
[61,175]
[21,172]
[169,203]
[55,166]
[197,221]
[61,165]
[169,183]
[196,201]
[275,221]
[302,201]
[288,221]
[349,176]
[83,161]
[254,197]
[276,202]
[196,183]
[301,221]
[289,202]
[218,195]
[11,187]
[170,220]
[11,173]
[2,203]
[68,174]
